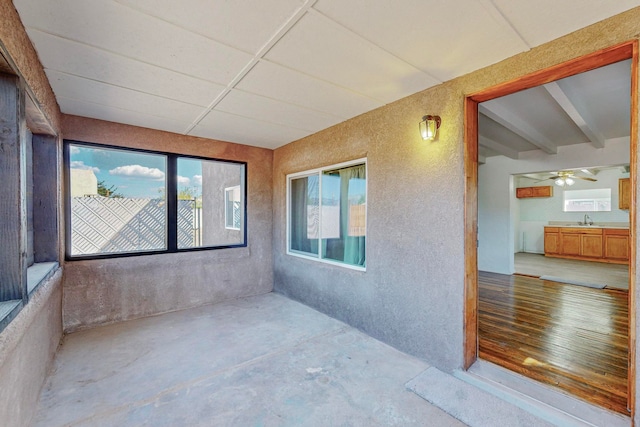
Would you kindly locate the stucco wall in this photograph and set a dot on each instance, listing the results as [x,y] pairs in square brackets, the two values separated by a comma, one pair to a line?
[27,348]
[106,291]
[412,294]
[17,44]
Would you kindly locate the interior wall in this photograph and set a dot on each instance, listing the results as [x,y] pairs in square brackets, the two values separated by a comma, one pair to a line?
[111,290]
[498,232]
[412,294]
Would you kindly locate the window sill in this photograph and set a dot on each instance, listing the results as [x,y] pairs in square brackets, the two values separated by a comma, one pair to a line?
[8,310]
[37,274]
[327,261]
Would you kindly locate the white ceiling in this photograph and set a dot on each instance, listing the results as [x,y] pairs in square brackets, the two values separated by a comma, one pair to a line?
[268,72]
[591,107]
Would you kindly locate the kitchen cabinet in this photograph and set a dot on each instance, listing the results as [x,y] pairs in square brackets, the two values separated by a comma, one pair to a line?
[624,193]
[525,192]
[551,240]
[616,244]
[591,245]
[569,243]
[588,243]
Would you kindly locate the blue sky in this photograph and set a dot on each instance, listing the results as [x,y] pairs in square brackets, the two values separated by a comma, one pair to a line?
[135,174]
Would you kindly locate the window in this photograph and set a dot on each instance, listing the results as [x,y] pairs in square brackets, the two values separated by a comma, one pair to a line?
[327,212]
[29,171]
[125,201]
[594,200]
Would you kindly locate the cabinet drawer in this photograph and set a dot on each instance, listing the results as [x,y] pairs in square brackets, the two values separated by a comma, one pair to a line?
[580,230]
[616,231]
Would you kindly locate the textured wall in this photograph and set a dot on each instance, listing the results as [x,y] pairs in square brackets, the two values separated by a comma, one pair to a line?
[411,295]
[105,291]
[17,44]
[27,347]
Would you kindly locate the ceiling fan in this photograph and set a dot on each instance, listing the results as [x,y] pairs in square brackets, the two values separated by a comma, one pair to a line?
[562,178]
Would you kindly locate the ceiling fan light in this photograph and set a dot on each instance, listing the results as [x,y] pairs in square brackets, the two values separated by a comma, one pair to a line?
[560,182]
[569,181]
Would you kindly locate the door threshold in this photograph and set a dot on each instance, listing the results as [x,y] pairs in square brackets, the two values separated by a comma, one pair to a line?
[541,400]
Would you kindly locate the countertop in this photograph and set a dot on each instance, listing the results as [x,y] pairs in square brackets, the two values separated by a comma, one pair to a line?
[620,225]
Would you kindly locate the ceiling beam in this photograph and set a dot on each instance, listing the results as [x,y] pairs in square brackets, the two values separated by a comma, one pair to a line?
[498,147]
[586,126]
[515,124]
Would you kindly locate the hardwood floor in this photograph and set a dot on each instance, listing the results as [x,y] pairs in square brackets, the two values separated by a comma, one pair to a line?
[567,336]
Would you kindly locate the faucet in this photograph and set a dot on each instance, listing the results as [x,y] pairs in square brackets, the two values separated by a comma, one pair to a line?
[587,220]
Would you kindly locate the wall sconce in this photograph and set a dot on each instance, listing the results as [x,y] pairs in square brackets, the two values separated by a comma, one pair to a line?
[429,127]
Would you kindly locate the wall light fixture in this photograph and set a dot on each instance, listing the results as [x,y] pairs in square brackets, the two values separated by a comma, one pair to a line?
[429,127]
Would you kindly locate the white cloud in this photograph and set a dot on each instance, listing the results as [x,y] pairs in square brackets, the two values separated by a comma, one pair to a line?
[74,150]
[183,180]
[197,180]
[138,171]
[79,164]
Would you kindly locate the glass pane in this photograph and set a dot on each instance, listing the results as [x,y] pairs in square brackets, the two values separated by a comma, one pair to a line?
[593,200]
[344,210]
[117,201]
[205,190]
[304,219]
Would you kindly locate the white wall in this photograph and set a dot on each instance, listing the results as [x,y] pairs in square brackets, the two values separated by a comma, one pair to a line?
[498,217]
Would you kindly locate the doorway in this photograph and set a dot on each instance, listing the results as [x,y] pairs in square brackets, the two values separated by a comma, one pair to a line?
[580,65]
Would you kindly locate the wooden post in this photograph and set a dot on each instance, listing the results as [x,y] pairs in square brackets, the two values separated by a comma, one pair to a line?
[45,198]
[13,210]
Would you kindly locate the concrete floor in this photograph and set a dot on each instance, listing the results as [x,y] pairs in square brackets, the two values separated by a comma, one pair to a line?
[259,361]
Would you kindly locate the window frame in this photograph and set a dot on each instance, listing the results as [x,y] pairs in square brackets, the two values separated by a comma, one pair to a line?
[318,172]
[171,195]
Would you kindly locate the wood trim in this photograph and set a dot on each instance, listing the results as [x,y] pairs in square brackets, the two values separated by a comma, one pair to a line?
[574,66]
[471,232]
[633,173]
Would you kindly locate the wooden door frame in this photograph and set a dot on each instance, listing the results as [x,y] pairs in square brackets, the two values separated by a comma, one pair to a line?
[627,50]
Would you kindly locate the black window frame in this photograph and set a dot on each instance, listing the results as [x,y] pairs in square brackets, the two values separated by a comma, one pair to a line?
[171,195]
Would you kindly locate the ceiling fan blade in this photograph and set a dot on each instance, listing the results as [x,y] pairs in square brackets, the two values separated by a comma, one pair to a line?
[586,178]
[545,179]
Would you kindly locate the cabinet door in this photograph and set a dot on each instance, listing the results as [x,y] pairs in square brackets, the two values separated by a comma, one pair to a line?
[524,192]
[570,244]
[624,193]
[616,247]
[551,243]
[591,246]
[546,191]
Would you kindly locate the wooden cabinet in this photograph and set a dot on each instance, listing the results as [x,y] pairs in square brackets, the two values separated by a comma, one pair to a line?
[525,192]
[592,244]
[624,193]
[616,244]
[551,240]
[569,243]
